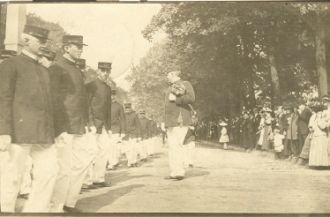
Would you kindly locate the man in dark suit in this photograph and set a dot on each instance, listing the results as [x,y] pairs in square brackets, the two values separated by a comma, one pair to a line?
[304,114]
[26,124]
[71,121]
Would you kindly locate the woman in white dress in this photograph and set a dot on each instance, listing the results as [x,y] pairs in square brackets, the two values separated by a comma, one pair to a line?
[318,155]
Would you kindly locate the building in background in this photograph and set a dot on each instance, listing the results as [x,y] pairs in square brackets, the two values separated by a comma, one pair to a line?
[12,21]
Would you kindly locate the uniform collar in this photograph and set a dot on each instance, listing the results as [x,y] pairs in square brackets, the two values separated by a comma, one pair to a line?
[68,60]
[30,55]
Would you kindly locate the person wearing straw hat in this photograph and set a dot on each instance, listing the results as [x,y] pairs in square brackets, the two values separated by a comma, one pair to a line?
[71,122]
[26,124]
[177,121]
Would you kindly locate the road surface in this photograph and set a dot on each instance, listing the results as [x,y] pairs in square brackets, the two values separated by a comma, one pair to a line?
[221,182]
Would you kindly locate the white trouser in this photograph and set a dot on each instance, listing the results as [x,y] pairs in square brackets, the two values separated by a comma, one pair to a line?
[142,147]
[189,153]
[131,151]
[93,149]
[74,159]
[114,149]
[101,158]
[3,158]
[44,172]
[176,153]
[27,179]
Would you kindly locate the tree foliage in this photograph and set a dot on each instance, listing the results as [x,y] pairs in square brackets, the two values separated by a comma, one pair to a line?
[235,53]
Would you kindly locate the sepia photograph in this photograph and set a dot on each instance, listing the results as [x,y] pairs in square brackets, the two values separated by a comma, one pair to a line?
[164,108]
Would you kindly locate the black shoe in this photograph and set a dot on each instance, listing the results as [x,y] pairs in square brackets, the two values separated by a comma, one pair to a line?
[84,190]
[101,184]
[71,209]
[24,196]
[169,177]
[89,187]
[178,178]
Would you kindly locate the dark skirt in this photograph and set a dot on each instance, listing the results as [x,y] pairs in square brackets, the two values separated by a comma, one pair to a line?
[306,148]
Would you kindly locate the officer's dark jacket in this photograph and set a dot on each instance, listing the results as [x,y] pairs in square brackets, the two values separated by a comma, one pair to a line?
[26,112]
[99,102]
[132,124]
[118,123]
[179,111]
[71,107]
[144,122]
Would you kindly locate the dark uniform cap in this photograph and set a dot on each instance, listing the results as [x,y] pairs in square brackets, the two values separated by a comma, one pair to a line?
[142,112]
[4,54]
[113,91]
[104,65]
[48,53]
[36,31]
[81,63]
[73,39]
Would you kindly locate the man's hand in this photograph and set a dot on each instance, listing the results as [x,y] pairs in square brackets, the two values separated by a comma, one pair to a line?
[172,97]
[5,141]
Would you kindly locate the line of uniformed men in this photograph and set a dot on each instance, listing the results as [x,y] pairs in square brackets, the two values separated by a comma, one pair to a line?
[67,122]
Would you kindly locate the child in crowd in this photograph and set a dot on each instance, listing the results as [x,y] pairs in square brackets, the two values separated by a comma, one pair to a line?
[278,143]
[224,138]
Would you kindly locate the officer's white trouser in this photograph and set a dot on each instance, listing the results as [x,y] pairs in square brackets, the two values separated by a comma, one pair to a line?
[3,158]
[44,172]
[101,158]
[189,153]
[92,141]
[142,147]
[176,153]
[74,160]
[114,149]
[131,151]
[27,179]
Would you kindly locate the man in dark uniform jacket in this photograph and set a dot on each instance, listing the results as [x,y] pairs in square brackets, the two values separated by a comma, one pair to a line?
[178,118]
[118,130]
[71,121]
[26,124]
[100,118]
[132,134]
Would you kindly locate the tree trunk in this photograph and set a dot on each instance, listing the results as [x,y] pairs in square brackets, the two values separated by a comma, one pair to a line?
[320,56]
[275,81]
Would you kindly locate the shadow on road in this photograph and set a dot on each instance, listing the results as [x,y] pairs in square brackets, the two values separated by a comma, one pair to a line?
[196,172]
[122,176]
[93,204]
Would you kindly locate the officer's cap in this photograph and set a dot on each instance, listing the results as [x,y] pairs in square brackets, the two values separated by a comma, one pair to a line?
[104,65]
[113,91]
[142,112]
[326,98]
[36,31]
[73,39]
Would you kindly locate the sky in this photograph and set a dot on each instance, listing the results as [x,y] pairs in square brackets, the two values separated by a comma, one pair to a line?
[112,31]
